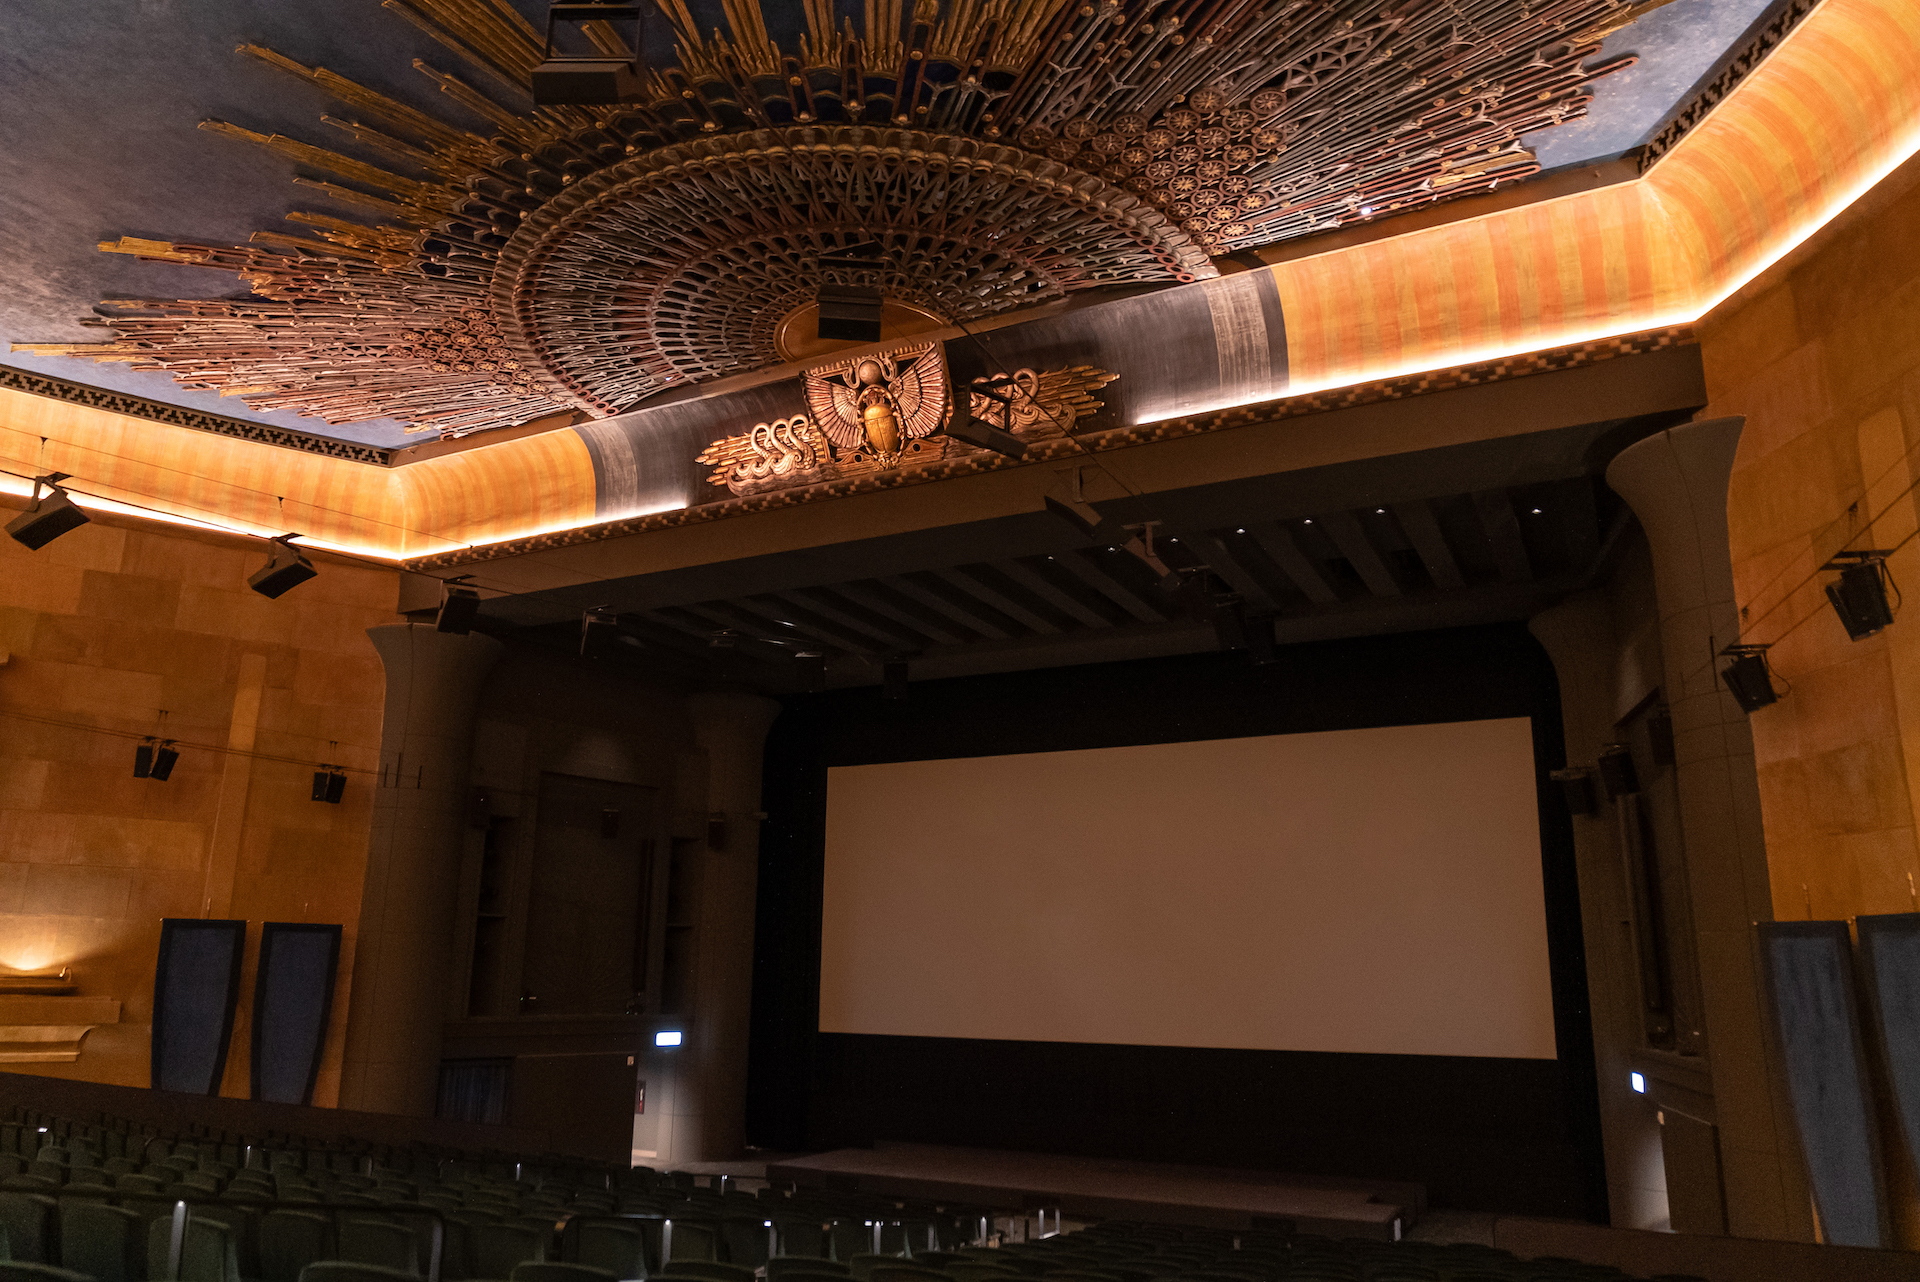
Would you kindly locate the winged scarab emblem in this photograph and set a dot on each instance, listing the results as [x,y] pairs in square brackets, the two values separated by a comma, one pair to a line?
[878,403]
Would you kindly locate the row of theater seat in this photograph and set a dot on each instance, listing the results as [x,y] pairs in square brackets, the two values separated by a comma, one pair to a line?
[107,1202]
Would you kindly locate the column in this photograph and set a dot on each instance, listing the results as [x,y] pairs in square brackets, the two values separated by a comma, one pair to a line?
[710,1081]
[1676,483]
[1578,635]
[404,945]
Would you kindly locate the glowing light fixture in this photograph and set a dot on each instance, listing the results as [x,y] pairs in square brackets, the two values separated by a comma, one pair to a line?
[670,1038]
[1638,1082]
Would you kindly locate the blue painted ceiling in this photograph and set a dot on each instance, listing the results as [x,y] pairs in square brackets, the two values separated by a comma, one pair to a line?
[99,106]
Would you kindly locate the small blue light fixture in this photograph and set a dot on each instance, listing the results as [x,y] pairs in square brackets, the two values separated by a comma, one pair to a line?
[1639,1083]
[667,1039]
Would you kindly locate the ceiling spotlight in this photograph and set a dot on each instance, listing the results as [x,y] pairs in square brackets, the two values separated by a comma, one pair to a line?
[600,79]
[154,759]
[980,433]
[458,608]
[1748,678]
[285,570]
[724,639]
[50,516]
[1860,597]
[597,622]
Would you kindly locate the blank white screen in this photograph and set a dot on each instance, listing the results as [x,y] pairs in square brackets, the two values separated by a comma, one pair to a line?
[1354,890]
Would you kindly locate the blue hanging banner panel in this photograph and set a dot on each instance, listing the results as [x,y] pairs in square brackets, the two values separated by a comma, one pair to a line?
[1890,969]
[195,987]
[1809,983]
[292,1002]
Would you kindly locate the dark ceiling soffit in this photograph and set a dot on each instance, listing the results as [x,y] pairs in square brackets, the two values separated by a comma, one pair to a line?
[1529,459]
[1625,352]
[1635,397]
[59,389]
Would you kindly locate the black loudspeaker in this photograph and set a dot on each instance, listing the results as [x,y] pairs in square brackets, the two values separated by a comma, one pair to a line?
[292,1002]
[850,314]
[1617,773]
[1576,784]
[286,571]
[46,521]
[1808,972]
[1890,972]
[978,432]
[1860,598]
[457,611]
[1749,680]
[194,989]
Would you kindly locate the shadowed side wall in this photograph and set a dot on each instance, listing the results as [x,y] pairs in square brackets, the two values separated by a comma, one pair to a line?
[100,631]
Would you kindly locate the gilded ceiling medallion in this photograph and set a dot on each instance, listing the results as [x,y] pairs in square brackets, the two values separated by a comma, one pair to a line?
[513,260]
[681,264]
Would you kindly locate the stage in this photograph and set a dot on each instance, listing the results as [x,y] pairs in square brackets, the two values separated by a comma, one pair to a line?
[1103,1188]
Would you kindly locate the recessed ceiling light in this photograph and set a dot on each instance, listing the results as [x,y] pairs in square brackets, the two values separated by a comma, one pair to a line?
[1536,511]
[1308,521]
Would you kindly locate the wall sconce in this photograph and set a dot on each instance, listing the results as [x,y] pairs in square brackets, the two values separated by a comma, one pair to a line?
[43,983]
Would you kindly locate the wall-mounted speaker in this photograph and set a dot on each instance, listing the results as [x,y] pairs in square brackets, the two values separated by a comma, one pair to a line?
[292,1002]
[1808,972]
[46,521]
[195,985]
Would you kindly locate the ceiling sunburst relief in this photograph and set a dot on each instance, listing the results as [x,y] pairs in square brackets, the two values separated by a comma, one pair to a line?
[992,153]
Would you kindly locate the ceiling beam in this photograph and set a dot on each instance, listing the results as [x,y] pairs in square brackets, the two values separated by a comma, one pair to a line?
[1278,543]
[888,600]
[1347,534]
[831,604]
[980,581]
[1423,531]
[781,607]
[1502,527]
[950,597]
[1219,558]
[1034,581]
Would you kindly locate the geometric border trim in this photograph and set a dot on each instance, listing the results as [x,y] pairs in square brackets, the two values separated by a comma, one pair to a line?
[59,389]
[1042,452]
[1733,67]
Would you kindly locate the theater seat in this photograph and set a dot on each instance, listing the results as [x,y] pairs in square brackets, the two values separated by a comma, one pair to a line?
[104,1242]
[291,1240]
[782,1268]
[346,1271]
[391,1246]
[556,1271]
[704,1271]
[28,1271]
